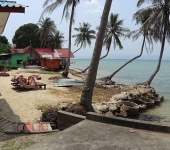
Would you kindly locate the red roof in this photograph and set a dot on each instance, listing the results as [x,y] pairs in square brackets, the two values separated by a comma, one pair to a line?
[64,53]
[15,50]
[44,51]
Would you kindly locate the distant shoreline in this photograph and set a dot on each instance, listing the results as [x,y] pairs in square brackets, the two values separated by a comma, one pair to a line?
[120,59]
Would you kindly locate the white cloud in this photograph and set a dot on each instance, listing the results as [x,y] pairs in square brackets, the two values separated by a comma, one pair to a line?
[93,6]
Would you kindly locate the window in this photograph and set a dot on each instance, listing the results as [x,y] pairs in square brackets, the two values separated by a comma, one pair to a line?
[19,62]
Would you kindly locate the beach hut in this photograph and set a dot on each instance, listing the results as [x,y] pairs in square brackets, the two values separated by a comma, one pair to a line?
[49,59]
[53,59]
[28,54]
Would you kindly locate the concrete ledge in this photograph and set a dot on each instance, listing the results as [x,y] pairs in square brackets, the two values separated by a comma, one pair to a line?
[129,122]
[66,119]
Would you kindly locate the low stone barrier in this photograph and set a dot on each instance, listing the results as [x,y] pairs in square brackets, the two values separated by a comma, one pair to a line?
[132,123]
[66,119]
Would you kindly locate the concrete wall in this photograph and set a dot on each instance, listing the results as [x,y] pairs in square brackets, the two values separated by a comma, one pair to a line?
[132,123]
[18,57]
[66,119]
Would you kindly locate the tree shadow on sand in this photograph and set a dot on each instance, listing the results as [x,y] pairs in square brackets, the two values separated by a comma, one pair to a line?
[7,113]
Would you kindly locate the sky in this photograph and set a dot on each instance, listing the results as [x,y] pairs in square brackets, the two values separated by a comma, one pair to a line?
[91,12]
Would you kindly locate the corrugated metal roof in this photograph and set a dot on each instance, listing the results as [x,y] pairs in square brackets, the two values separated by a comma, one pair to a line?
[15,50]
[11,4]
[64,53]
[47,53]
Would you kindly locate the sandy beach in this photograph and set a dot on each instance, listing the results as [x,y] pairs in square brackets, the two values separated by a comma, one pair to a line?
[18,105]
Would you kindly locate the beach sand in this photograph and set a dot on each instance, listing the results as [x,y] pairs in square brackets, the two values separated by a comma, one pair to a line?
[18,105]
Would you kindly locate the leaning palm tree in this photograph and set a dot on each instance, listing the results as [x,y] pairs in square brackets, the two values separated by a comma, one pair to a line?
[114,30]
[46,27]
[50,6]
[147,35]
[84,36]
[87,92]
[159,17]
[56,40]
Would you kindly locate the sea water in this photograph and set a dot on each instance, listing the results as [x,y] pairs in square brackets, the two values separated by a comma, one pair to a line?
[136,72]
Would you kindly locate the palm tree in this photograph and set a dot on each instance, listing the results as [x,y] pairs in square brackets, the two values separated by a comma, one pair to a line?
[46,27]
[147,35]
[84,36]
[68,3]
[160,17]
[114,30]
[56,40]
[87,92]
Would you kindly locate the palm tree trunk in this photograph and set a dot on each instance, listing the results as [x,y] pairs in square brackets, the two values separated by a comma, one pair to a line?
[87,92]
[41,44]
[100,59]
[44,44]
[161,52]
[78,49]
[111,76]
[65,72]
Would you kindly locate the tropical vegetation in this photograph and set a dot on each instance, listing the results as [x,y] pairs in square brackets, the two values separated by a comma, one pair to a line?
[55,40]
[3,39]
[4,45]
[26,35]
[4,48]
[114,30]
[84,36]
[50,6]
[148,35]
[87,92]
[46,27]
[159,18]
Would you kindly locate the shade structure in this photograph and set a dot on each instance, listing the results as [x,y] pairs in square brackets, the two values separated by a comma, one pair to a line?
[7,7]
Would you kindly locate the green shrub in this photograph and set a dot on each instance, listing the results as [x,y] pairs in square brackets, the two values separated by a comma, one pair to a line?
[14,67]
[1,66]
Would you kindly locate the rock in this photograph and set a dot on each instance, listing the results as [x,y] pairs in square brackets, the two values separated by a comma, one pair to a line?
[112,108]
[62,106]
[118,104]
[121,96]
[103,109]
[161,98]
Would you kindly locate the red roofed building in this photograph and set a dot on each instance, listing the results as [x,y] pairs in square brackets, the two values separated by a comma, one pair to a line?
[40,56]
[63,53]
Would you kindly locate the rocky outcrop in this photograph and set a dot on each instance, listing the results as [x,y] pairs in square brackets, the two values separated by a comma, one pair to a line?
[130,100]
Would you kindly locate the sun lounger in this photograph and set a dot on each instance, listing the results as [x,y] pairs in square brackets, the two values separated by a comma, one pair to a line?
[32,85]
[40,85]
[30,128]
[9,127]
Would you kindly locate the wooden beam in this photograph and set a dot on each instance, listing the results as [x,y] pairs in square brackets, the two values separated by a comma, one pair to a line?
[12,9]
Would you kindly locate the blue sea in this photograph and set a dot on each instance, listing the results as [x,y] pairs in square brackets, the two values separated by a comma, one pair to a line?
[136,72]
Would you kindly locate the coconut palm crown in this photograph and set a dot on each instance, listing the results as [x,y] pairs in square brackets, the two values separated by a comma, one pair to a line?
[56,40]
[84,36]
[46,27]
[114,31]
